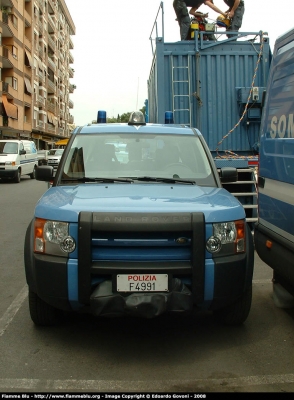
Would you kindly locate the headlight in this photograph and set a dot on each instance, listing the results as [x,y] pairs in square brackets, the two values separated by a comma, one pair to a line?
[228,238]
[52,237]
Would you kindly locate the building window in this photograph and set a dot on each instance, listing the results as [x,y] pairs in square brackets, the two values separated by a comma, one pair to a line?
[14,20]
[14,52]
[14,83]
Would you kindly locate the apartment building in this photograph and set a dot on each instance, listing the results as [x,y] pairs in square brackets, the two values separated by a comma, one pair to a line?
[36,70]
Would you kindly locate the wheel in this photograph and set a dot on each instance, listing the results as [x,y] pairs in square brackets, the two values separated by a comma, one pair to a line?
[17,176]
[42,314]
[33,174]
[236,313]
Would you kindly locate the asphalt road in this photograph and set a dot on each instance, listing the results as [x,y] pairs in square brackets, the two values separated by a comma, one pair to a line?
[85,354]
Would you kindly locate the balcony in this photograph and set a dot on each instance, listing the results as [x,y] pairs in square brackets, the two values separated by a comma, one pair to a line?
[28,18]
[51,5]
[10,123]
[8,60]
[51,64]
[8,90]
[40,125]
[51,106]
[51,43]
[41,4]
[27,99]
[41,101]
[72,88]
[71,46]
[27,42]
[51,21]
[71,72]
[7,26]
[71,59]
[27,126]
[51,128]
[41,28]
[51,86]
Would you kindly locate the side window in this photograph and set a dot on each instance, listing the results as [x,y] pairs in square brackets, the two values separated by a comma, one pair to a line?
[33,148]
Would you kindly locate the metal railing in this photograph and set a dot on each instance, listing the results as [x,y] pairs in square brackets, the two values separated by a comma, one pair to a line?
[156,27]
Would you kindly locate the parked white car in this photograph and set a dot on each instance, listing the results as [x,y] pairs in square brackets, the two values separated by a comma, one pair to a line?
[54,157]
[43,157]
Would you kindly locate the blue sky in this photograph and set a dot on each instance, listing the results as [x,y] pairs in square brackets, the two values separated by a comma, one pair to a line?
[113,54]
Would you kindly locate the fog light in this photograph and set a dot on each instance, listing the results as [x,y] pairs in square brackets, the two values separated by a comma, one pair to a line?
[213,244]
[68,245]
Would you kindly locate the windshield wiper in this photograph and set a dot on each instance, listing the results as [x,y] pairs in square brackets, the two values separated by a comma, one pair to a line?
[86,179]
[164,180]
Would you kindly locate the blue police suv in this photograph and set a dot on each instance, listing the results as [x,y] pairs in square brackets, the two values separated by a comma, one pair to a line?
[136,223]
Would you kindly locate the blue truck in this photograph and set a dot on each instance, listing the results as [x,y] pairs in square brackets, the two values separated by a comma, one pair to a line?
[274,231]
[216,86]
[136,223]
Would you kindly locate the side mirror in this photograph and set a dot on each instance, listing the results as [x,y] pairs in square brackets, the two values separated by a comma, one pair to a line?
[44,173]
[21,152]
[228,174]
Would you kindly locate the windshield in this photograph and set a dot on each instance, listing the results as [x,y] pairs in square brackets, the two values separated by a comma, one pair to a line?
[131,156]
[8,148]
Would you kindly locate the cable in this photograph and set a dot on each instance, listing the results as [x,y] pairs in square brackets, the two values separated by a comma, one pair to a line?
[228,152]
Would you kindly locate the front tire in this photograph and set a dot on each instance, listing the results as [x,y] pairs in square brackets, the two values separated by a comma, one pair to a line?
[17,176]
[33,174]
[236,313]
[42,314]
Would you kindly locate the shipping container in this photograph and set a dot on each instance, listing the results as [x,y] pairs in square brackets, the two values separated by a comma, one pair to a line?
[216,86]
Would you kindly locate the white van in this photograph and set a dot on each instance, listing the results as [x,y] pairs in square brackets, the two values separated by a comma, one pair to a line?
[17,158]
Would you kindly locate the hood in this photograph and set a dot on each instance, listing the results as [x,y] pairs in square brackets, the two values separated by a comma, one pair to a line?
[64,203]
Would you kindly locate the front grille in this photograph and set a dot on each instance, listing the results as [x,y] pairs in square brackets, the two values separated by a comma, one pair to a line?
[141,246]
[141,243]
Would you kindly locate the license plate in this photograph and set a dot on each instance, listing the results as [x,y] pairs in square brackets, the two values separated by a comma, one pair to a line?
[142,283]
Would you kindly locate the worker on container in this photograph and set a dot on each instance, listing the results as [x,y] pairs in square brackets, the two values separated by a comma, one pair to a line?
[195,4]
[182,13]
[199,16]
[235,13]
[183,18]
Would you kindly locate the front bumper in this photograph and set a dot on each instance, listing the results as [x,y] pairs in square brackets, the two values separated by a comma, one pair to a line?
[8,173]
[87,283]
[57,284]
[104,302]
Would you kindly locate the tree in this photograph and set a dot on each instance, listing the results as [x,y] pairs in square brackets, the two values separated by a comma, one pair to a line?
[123,117]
